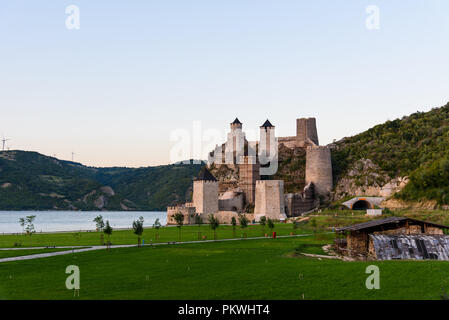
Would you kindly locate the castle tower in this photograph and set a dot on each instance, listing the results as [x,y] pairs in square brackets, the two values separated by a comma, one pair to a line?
[306,132]
[270,200]
[319,169]
[267,135]
[234,147]
[205,193]
[249,173]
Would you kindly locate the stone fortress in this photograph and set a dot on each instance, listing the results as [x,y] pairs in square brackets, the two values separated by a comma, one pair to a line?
[242,188]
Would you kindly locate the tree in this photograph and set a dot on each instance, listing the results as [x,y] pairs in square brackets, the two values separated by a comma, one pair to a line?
[234,223]
[270,224]
[179,219]
[263,222]
[138,229]
[243,223]
[199,222]
[214,224]
[157,225]
[22,224]
[28,223]
[99,222]
[108,231]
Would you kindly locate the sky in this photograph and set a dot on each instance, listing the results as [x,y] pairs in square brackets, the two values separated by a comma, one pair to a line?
[137,75]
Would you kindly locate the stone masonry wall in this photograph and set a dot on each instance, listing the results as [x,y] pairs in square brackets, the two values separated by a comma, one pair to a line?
[319,169]
[205,196]
[269,200]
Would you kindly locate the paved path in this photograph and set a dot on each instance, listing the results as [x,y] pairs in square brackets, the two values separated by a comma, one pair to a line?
[92,248]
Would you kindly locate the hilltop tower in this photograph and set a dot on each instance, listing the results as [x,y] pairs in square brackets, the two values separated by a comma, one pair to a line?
[235,144]
[306,132]
[267,134]
[205,193]
[319,169]
[270,200]
[249,173]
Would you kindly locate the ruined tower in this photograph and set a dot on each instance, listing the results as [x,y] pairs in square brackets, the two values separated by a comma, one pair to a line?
[269,200]
[205,193]
[306,132]
[249,173]
[319,169]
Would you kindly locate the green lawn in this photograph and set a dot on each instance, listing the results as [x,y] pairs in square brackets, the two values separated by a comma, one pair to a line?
[188,233]
[246,269]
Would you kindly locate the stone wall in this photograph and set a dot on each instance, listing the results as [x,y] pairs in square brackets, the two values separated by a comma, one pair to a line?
[187,211]
[319,169]
[205,196]
[231,201]
[289,142]
[270,200]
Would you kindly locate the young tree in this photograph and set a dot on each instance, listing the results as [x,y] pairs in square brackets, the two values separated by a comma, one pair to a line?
[214,224]
[243,223]
[157,225]
[270,224]
[199,222]
[99,223]
[138,229]
[179,219]
[263,222]
[22,224]
[234,223]
[108,231]
[29,226]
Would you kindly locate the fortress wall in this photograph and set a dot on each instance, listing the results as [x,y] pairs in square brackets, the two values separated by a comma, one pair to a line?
[188,212]
[235,203]
[269,199]
[205,196]
[306,130]
[289,142]
[319,169]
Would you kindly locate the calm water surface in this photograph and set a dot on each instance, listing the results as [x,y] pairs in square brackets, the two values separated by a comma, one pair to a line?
[46,221]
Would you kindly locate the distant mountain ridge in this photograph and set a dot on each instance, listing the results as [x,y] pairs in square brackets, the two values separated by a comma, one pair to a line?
[32,181]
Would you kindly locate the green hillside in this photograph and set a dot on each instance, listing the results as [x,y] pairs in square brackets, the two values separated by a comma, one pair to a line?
[414,146]
[31,181]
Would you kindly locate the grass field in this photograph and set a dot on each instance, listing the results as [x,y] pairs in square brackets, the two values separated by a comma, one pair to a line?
[246,269]
[188,233]
[242,269]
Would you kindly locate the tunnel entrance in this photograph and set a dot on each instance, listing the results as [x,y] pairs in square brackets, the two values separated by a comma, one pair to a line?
[361,205]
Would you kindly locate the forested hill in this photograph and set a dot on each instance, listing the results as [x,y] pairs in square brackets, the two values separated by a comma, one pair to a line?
[416,146]
[32,181]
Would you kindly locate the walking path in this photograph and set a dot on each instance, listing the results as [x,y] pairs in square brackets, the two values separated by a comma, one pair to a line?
[92,248]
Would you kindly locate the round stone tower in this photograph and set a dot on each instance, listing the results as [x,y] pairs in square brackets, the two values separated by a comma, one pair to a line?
[319,169]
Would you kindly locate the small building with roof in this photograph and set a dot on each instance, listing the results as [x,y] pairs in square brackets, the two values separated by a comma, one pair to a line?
[394,238]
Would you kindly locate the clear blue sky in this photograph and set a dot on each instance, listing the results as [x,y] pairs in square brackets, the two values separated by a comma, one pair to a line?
[113,91]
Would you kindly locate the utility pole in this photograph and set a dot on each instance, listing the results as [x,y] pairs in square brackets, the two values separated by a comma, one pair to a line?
[4,141]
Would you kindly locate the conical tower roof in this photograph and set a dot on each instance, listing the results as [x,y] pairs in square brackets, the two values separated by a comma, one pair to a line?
[236,121]
[267,124]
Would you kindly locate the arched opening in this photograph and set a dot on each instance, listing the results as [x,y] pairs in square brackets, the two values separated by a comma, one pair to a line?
[361,205]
